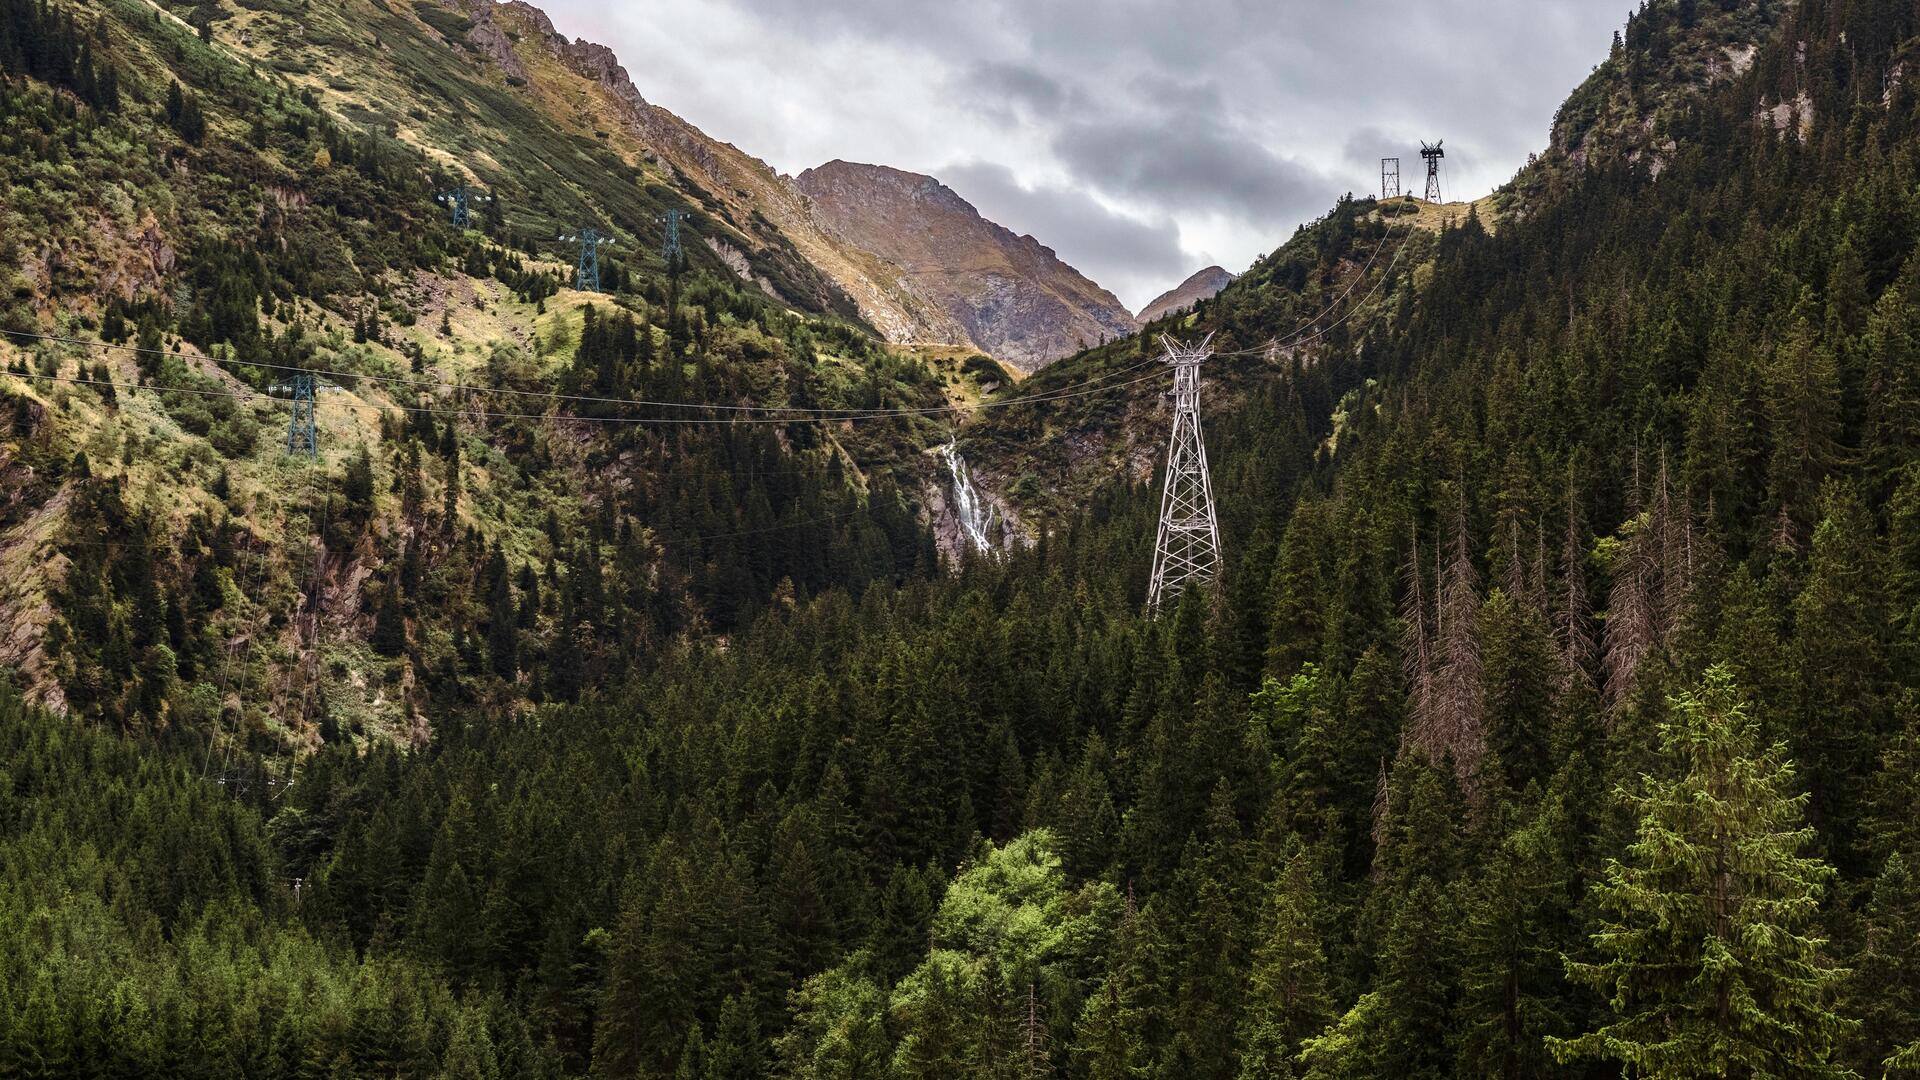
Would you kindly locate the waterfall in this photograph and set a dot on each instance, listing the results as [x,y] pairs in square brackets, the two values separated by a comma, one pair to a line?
[974,515]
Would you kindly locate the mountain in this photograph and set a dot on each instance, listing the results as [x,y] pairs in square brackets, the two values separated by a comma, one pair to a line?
[495,93]
[756,223]
[1013,297]
[256,197]
[1203,285]
[1644,99]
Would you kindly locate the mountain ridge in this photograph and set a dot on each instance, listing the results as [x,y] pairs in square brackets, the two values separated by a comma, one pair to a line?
[905,307]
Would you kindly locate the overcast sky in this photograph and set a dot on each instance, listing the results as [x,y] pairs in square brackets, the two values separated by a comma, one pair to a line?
[1140,139]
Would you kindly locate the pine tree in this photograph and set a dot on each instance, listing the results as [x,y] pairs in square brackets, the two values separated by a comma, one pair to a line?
[1712,958]
[1518,689]
[1895,788]
[470,1054]
[1110,1037]
[1460,719]
[1417,650]
[1892,392]
[1632,627]
[1804,397]
[502,623]
[358,484]
[736,1052]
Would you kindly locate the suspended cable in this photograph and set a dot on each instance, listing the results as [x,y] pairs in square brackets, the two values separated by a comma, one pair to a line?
[416,384]
[663,421]
[1295,339]
[1351,285]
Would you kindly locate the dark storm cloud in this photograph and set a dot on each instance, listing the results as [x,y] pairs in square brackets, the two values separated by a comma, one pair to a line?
[1015,90]
[1190,162]
[1112,249]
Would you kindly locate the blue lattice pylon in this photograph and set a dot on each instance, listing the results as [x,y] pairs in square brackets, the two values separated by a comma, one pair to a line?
[301,437]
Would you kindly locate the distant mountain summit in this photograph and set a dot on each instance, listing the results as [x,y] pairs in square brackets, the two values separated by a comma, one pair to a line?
[1203,285]
[1011,294]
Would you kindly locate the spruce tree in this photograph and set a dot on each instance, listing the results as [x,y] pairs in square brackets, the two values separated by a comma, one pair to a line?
[1519,917]
[1883,989]
[1287,996]
[1710,952]
[502,631]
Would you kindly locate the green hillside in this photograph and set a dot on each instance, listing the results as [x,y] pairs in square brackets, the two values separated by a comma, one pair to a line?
[184,231]
[1557,714]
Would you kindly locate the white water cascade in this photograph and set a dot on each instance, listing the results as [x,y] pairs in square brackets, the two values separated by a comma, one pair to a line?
[975,516]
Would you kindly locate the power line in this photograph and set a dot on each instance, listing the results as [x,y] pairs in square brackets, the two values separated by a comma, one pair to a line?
[391,380]
[1295,339]
[1306,327]
[564,417]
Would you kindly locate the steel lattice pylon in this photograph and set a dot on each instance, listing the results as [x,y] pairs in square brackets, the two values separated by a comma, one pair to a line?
[670,244]
[586,275]
[301,438]
[1187,551]
[459,203]
[1433,155]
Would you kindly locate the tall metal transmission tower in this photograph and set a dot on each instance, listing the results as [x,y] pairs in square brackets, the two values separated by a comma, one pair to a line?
[457,202]
[1187,551]
[301,438]
[1389,178]
[670,249]
[586,273]
[1433,154]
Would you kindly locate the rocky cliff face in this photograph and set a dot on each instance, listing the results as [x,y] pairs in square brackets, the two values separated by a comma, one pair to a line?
[1011,295]
[1671,54]
[1203,285]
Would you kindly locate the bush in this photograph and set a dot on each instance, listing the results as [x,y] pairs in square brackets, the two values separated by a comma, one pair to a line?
[235,436]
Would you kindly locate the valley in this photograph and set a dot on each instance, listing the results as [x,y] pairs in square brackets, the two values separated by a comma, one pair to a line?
[742,665]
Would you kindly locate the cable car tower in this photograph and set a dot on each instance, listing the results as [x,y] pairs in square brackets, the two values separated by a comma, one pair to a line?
[457,202]
[1433,154]
[586,272]
[301,437]
[1187,551]
[1389,178]
[670,250]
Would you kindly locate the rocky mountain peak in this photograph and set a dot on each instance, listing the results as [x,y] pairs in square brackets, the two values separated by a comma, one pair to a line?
[1012,295]
[1202,285]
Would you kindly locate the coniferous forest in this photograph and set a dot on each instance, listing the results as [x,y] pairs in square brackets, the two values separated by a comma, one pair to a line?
[1557,712]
